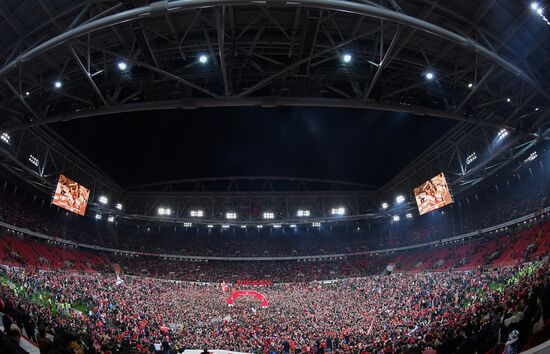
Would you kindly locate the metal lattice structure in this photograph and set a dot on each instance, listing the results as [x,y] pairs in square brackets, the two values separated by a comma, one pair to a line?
[489,60]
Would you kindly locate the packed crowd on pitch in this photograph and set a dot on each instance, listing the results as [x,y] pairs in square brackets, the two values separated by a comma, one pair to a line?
[459,312]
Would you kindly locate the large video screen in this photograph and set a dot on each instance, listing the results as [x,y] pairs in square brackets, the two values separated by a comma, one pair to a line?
[71,195]
[433,194]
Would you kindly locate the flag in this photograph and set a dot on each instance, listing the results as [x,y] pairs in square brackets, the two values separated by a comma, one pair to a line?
[118,280]
[224,286]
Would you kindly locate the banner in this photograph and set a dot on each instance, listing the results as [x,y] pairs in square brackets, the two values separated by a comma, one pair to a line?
[240,293]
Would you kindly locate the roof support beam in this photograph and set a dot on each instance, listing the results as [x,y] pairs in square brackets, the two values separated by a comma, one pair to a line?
[88,76]
[334,5]
[383,63]
[254,102]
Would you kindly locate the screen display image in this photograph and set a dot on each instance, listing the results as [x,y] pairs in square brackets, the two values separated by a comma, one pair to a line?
[71,195]
[433,194]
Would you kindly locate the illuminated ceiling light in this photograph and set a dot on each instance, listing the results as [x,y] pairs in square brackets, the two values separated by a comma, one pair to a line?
[316,224]
[471,158]
[225,226]
[400,199]
[532,156]
[203,59]
[243,226]
[396,218]
[429,75]
[187,224]
[259,226]
[292,226]
[338,211]
[346,58]
[197,213]
[111,219]
[508,99]
[57,84]
[231,215]
[210,226]
[34,160]
[470,85]
[536,109]
[122,66]
[409,215]
[98,216]
[5,138]
[385,205]
[276,226]
[303,213]
[164,211]
[269,215]
[103,199]
[118,206]
[27,93]
[503,133]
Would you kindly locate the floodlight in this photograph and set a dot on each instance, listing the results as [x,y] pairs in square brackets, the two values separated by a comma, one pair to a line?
[292,226]
[303,213]
[269,215]
[385,205]
[532,156]
[57,84]
[534,6]
[164,211]
[508,99]
[536,109]
[540,10]
[429,75]
[338,211]
[409,215]
[316,224]
[27,93]
[243,226]
[122,66]
[503,133]
[203,59]
[103,199]
[470,85]
[259,226]
[276,226]
[346,58]
[231,215]
[471,158]
[400,199]
[396,218]
[197,213]
[111,219]
[187,224]
[118,206]
[98,216]
[225,226]
[209,226]
[5,138]
[34,160]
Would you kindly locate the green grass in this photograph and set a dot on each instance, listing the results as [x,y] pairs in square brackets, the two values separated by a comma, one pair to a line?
[43,299]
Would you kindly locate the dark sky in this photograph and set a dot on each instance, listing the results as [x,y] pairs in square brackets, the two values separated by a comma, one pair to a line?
[342,144]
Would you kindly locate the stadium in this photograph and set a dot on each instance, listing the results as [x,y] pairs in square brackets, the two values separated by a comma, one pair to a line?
[310,176]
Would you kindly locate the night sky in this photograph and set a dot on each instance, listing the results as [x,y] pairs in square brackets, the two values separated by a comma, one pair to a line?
[342,144]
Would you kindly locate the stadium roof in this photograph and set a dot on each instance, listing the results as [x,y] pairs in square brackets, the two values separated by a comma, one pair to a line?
[482,64]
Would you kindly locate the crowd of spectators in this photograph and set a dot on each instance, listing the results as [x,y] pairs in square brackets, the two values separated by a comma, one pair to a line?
[508,199]
[462,312]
